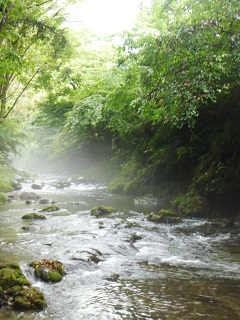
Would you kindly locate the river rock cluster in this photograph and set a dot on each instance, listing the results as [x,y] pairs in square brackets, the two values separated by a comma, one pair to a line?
[16,291]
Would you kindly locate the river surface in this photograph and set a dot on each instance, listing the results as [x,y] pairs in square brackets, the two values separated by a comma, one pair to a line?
[185,271]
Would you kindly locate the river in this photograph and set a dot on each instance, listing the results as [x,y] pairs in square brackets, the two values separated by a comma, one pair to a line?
[185,271]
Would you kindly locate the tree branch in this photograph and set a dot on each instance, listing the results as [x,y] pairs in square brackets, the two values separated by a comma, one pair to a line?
[23,90]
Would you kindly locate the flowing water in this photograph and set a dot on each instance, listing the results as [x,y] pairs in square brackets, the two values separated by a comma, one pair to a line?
[185,271]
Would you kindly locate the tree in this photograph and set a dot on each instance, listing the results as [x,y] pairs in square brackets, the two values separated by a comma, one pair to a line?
[30,37]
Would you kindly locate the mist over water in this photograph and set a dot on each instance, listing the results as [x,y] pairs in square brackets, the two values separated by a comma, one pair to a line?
[185,271]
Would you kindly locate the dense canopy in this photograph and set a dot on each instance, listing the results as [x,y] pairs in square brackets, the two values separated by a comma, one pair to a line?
[162,107]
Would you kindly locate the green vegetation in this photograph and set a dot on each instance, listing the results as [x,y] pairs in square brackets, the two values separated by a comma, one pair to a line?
[16,291]
[161,109]
[102,211]
[50,209]
[33,215]
[164,216]
[48,270]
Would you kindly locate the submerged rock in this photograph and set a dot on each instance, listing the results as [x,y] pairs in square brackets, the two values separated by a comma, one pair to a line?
[101,211]
[16,291]
[48,270]
[164,216]
[29,196]
[33,215]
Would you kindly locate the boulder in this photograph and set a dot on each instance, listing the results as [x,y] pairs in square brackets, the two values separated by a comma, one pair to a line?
[16,185]
[102,211]
[48,270]
[164,216]
[50,209]
[46,201]
[36,186]
[16,292]
[33,215]
[29,196]
[18,178]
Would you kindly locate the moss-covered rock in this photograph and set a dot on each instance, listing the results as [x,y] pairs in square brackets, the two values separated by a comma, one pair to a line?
[48,270]
[102,211]
[50,209]
[33,215]
[16,291]
[3,198]
[164,216]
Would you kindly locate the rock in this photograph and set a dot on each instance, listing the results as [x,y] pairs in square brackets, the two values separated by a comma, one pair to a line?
[50,209]
[90,256]
[29,196]
[59,184]
[16,292]
[134,237]
[164,216]
[113,277]
[46,201]
[101,211]
[33,215]
[18,178]
[129,224]
[36,186]
[48,270]
[30,201]
[16,185]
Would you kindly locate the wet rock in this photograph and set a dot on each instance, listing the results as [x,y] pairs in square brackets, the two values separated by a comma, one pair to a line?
[29,196]
[33,215]
[30,202]
[46,201]
[134,237]
[90,256]
[75,203]
[113,277]
[16,292]
[102,211]
[16,185]
[50,209]
[129,224]
[48,270]
[36,186]
[164,216]
[18,178]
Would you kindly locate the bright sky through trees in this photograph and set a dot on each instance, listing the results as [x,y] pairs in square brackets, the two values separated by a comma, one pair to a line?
[104,16]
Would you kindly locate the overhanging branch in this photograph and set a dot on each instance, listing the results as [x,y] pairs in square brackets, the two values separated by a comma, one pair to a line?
[21,93]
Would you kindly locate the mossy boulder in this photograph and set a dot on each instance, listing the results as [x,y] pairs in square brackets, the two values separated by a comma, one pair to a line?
[102,211]
[33,215]
[50,209]
[16,292]
[164,216]
[48,270]
[3,198]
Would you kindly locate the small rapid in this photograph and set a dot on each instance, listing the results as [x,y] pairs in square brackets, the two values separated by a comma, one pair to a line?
[121,266]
